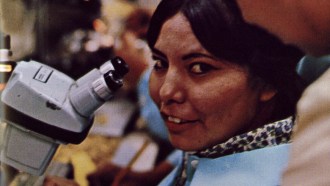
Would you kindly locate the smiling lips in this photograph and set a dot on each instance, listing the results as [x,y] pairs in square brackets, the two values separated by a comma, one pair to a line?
[178,120]
[175,120]
[177,125]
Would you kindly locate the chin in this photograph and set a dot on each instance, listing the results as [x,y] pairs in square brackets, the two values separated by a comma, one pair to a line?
[185,145]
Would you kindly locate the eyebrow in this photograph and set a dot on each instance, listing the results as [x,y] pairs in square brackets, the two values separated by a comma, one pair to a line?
[196,55]
[185,57]
[158,52]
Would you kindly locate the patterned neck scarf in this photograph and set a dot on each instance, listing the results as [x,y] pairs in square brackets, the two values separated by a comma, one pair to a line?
[269,135]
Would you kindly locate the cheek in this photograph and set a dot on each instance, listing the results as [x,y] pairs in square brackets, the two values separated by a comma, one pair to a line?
[227,111]
[154,87]
[222,97]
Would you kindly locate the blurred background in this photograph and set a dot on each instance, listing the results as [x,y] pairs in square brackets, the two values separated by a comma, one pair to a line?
[75,36]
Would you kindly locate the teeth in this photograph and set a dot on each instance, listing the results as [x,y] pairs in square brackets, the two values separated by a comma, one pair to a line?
[174,120]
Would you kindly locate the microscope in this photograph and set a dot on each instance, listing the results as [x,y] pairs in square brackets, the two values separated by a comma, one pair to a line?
[44,108]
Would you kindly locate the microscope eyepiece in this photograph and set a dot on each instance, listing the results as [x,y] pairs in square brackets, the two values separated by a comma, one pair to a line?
[98,86]
[120,66]
[113,80]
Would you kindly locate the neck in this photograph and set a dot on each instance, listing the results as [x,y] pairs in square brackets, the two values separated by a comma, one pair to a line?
[264,115]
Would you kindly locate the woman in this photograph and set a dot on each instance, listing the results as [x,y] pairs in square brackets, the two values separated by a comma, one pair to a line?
[226,90]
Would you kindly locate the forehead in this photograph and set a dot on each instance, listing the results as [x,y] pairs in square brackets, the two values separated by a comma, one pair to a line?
[176,25]
[176,35]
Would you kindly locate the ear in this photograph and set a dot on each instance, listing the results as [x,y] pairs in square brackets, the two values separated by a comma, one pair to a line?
[267,93]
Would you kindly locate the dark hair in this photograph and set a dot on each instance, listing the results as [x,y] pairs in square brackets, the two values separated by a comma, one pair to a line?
[220,28]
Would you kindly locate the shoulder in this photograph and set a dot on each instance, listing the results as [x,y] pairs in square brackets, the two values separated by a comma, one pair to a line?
[258,167]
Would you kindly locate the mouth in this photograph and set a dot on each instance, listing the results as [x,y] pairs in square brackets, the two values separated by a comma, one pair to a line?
[176,125]
[178,121]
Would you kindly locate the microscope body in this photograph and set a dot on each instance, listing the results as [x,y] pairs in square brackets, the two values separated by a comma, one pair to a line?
[44,108]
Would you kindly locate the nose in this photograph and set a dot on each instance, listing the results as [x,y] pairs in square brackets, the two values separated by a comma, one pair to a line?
[172,90]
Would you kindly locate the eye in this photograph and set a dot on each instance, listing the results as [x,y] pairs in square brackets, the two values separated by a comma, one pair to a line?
[200,68]
[160,64]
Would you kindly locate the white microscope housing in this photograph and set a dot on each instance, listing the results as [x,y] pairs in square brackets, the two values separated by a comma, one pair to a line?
[44,108]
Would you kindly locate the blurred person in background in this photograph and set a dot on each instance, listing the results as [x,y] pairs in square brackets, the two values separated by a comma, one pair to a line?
[131,45]
[305,24]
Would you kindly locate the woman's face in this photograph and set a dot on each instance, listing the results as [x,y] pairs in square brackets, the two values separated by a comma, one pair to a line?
[202,99]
